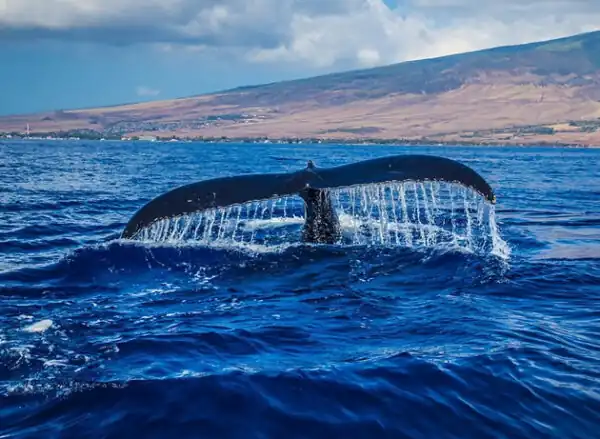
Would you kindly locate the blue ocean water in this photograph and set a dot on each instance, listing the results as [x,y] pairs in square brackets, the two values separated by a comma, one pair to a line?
[112,339]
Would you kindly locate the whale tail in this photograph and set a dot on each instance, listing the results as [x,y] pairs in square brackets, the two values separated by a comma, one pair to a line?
[310,184]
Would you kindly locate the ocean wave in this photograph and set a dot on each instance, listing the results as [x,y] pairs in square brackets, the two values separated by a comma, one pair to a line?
[480,325]
[402,397]
[122,258]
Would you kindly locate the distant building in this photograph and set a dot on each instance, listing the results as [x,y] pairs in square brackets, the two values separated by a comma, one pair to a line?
[148,138]
[144,138]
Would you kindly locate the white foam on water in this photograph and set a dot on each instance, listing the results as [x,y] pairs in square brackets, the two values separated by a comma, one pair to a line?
[274,222]
[408,214]
[41,326]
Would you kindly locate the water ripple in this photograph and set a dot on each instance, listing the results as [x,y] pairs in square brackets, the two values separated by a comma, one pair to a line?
[105,338]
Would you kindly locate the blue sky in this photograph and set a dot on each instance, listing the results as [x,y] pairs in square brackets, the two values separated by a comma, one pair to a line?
[61,54]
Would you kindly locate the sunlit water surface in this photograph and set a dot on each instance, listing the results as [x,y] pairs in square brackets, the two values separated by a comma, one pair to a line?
[451,319]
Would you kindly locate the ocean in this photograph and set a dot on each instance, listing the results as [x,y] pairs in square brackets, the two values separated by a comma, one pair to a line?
[489,328]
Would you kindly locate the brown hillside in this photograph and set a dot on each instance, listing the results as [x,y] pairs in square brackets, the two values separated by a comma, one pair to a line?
[544,83]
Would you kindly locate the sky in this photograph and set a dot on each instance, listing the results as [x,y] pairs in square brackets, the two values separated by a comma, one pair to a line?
[63,54]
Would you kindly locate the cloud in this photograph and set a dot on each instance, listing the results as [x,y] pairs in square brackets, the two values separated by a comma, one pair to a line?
[375,34]
[146,91]
[316,33]
[222,23]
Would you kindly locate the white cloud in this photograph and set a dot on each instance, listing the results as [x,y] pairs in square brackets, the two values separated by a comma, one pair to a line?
[315,33]
[368,57]
[430,28]
[146,91]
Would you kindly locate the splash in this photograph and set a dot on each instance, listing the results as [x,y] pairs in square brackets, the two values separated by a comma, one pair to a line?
[410,214]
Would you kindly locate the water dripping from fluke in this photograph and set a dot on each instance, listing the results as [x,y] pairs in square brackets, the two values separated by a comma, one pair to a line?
[400,201]
[409,214]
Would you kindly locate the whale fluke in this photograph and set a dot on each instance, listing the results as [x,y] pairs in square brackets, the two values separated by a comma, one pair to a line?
[310,183]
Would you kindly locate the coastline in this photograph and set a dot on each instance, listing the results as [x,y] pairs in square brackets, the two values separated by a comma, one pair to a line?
[530,142]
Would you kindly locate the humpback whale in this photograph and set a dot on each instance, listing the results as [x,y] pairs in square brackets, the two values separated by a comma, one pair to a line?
[311,184]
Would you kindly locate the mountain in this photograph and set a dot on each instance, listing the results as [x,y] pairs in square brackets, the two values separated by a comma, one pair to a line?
[543,91]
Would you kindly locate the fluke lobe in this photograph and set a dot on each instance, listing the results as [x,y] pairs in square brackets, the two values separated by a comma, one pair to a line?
[310,183]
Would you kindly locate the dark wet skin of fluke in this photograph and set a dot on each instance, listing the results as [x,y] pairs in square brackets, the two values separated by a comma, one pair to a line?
[321,225]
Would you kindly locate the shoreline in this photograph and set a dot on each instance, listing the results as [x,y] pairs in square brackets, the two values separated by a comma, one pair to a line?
[293,140]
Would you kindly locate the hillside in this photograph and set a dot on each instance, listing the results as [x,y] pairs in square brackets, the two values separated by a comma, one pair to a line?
[502,94]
